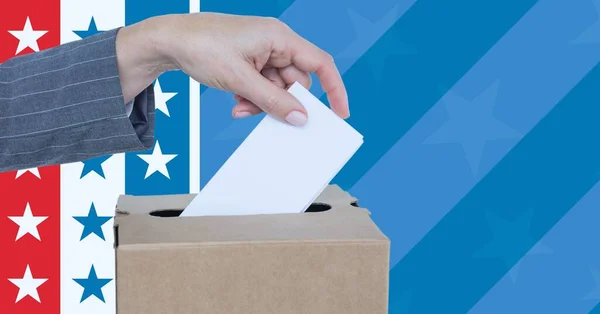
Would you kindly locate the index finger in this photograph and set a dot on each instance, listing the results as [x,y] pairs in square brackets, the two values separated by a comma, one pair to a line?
[310,58]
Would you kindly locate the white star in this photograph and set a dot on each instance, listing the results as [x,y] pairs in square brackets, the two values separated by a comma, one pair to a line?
[28,223]
[27,37]
[34,171]
[157,161]
[160,98]
[28,285]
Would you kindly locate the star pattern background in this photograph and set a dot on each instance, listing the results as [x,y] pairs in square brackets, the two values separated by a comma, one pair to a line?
[92,285]
[506,232]
[28,38]
[92,223]
[157,161]
[28,285]
[28,223]
[471,124]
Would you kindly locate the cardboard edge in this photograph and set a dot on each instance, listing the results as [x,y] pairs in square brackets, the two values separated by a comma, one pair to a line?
[115,249]
[187,245]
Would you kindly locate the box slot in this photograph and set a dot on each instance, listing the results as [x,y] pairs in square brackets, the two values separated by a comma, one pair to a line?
[166,213]
[173,213]
[318,207]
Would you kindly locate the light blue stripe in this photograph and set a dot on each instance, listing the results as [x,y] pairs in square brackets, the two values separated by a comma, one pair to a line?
[560,277]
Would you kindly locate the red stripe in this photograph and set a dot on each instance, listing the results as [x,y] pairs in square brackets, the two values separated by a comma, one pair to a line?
[43,195]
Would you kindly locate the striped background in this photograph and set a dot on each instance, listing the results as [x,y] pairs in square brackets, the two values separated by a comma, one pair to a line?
[480,162]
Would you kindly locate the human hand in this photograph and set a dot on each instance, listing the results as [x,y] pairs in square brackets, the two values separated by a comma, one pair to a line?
[256,58]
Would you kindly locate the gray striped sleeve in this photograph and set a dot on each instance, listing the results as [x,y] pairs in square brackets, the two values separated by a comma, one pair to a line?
[65,104]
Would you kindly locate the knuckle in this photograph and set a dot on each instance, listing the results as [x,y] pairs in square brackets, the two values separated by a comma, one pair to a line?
[276,24]
[326,61]
[273,104]
[272,21]
[231,79]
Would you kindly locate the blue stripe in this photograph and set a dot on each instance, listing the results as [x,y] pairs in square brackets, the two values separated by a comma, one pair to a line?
[561,277]
[344,29]
[171,132]
[420,167]
[508,211]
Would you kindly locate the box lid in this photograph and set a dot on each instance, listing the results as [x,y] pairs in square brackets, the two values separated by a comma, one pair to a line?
[153,221]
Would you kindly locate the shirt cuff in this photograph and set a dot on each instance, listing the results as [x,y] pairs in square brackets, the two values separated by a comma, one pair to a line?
[129,108]
[140,112]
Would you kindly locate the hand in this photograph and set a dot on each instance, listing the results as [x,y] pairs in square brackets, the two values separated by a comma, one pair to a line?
[255,58]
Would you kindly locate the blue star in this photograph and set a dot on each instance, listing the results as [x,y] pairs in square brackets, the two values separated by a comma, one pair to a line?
[94,165]
[591,34]
[91,31]
[472,124]
[398,49]
[92,285]
[367,33]
[505,234]
[92,223]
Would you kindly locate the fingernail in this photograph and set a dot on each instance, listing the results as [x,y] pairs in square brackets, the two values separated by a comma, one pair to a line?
[241,114]
[296,118]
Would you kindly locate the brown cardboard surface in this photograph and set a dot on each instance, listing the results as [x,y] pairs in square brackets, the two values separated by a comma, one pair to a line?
[334,261]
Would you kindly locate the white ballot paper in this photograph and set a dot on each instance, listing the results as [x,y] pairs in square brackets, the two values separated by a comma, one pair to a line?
[280,168]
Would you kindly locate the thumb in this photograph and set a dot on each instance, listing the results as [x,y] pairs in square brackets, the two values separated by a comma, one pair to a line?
[271,98]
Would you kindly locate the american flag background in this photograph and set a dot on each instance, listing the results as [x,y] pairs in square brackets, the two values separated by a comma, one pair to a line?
[481,161]
[56,225]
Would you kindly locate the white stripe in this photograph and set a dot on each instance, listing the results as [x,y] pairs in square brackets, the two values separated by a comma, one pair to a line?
[194,123]
[57,70]
[194,6]
[78,194]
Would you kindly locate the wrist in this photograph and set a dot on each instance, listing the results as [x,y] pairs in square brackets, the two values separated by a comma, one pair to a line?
[141,58]
[160,33]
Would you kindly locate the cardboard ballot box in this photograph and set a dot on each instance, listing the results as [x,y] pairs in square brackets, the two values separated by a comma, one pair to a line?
[332,259]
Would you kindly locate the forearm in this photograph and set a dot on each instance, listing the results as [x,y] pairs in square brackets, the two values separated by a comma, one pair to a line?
[66,104]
